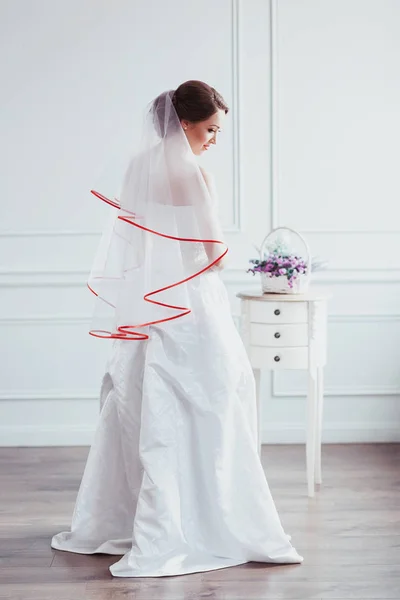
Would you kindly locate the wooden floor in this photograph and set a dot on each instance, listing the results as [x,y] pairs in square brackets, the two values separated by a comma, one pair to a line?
[349,534]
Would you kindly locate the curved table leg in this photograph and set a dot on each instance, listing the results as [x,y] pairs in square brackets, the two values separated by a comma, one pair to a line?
[257,377]
[311,433]
[319,409]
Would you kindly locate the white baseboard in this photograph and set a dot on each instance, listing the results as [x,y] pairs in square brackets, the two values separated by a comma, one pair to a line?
[56,435]
[275,434]
[333,433]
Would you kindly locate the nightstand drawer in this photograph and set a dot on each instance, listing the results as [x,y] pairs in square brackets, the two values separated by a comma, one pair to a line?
[279,335]
[278,312]
[278,358]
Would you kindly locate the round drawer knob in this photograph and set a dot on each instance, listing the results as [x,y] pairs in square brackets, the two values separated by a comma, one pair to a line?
[277,335]
[277,358]
[277,312]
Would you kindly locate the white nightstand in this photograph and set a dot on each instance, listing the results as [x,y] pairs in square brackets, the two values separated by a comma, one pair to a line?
[288,331]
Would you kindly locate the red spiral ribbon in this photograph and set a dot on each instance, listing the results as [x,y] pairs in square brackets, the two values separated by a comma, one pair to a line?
[127,332]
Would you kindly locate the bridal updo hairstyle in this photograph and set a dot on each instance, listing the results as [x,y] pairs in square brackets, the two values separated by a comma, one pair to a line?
[193,100]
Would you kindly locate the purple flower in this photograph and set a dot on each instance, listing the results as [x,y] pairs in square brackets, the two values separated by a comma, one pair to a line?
[278,265]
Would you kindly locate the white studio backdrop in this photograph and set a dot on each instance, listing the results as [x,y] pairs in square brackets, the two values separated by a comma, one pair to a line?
[310,142]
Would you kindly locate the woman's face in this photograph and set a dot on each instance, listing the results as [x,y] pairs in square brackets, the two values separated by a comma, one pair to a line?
[201,135]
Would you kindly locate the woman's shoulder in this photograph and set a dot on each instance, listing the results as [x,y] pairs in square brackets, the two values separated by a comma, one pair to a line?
[209,179]
[206,174]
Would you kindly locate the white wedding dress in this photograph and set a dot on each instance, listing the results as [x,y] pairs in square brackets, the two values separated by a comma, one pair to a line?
[173,480]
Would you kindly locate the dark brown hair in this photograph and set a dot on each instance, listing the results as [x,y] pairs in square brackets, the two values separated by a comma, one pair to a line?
[196,101]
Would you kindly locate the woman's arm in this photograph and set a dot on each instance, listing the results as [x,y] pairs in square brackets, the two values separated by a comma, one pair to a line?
[213,250]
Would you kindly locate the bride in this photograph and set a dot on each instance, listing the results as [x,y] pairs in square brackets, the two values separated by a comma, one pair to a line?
[173,480]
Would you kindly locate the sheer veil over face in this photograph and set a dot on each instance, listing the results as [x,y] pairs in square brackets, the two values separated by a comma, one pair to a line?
[165,232]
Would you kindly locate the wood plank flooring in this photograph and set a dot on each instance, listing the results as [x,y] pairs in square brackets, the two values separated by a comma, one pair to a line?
[349,534]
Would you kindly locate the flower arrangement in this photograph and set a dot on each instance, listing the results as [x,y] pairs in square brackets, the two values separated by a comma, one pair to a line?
[278,265]
[282,269]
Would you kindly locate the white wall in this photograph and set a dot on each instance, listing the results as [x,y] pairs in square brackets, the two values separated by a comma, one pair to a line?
[336,125]
[314,150]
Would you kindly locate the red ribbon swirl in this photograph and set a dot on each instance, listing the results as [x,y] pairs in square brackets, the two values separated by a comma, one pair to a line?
[127,332]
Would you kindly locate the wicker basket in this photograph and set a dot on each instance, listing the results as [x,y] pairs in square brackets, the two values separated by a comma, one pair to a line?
[280,284]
